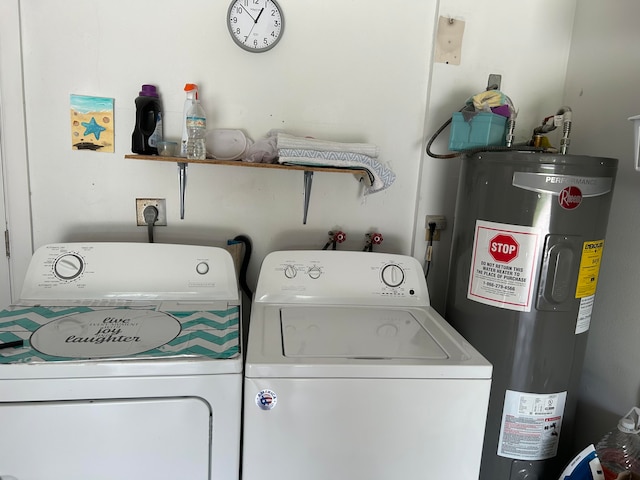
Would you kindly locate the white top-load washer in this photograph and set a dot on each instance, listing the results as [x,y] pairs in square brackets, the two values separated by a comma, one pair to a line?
[351,374]
[130,365]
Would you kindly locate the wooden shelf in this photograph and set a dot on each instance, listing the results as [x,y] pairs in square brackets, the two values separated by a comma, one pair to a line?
[307,169]
[238,163]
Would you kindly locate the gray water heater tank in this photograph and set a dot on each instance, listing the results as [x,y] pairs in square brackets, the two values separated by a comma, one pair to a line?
[528,239]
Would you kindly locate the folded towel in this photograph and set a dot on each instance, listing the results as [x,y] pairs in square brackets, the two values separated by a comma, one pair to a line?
[285,140]
[380,176]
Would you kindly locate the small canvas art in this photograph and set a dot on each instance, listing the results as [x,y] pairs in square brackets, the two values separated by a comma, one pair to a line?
[92,123]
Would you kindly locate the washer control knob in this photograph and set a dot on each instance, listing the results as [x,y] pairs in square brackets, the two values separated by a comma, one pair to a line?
[202,268]
[314,272]
[392,275]
[290,271]
[68,266]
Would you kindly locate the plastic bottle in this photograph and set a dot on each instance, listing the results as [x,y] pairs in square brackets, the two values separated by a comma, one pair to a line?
[190,90]
[619,450]
[196,123]
[148,128]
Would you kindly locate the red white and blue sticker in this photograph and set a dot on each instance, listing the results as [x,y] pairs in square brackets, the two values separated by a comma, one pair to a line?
[266,399]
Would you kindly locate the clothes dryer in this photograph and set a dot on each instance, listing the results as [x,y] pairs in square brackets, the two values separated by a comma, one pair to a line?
[350,373]
[128,365]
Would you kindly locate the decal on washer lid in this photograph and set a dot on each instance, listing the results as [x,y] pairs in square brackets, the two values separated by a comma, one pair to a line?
[266,399]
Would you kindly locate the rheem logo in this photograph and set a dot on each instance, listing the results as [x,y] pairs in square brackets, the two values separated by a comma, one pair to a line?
[503,248]
[570,198]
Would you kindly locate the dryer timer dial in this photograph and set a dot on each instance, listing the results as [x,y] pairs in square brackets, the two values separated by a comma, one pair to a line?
[68,266]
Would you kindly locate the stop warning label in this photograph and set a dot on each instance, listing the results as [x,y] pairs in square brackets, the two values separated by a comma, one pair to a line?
[503,265]
[503,248]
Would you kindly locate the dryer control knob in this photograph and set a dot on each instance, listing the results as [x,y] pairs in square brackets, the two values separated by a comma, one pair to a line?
[202,268]
[68,266]
[290,271]
[392,275]
[314,272]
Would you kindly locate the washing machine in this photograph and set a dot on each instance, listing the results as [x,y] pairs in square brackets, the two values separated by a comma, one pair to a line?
[351,374]
[122,360]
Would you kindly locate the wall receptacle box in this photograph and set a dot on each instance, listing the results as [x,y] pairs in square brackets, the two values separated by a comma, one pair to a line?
[481,129]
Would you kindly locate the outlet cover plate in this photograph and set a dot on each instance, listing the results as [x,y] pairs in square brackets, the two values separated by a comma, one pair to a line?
[159,203]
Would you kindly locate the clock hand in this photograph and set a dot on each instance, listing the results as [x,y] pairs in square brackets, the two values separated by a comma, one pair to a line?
[258,17]
[249,34]
[254,19]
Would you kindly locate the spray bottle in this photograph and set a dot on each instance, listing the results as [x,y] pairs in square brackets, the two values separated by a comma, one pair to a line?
[192,90]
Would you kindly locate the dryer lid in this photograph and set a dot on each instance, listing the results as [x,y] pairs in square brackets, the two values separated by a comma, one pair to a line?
[356,333]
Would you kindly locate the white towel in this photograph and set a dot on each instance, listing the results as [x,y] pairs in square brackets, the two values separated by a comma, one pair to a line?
[285,140]
[380,176]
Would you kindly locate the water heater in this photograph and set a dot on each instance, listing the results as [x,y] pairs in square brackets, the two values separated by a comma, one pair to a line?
[528,239]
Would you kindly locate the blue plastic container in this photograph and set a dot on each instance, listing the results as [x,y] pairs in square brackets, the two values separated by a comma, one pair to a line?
[484,129]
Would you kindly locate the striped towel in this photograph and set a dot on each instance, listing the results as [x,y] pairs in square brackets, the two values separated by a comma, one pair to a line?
[285,140]
[380,176]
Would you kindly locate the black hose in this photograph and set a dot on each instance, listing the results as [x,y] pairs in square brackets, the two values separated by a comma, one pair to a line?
[432,139]
[245,264]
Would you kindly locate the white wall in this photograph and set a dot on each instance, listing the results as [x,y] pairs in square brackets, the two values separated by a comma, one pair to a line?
[346,71]
[602,89]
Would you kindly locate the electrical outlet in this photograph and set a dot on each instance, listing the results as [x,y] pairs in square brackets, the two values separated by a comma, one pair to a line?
[441,224]
[439,220]
[159,203]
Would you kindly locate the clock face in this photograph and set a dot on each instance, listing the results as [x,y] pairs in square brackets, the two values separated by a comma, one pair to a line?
[255,25]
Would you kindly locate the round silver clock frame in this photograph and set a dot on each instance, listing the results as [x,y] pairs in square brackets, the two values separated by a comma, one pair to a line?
[253,27]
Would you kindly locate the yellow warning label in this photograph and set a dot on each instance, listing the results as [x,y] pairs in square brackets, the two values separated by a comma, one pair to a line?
[589,268]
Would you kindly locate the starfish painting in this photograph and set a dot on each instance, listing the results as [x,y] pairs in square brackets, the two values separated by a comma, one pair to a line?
[93,128]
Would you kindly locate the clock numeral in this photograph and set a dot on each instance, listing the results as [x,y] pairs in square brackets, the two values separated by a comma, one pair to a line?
[239,10]
[234,19]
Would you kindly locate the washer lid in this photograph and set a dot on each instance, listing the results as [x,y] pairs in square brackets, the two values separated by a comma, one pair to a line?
[376,333]
[319,341]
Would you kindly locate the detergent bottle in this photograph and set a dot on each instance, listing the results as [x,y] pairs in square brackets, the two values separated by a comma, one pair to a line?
[148,128]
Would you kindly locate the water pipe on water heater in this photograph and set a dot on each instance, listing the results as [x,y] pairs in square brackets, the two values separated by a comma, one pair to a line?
[562,117]
[566,128]
[636,150]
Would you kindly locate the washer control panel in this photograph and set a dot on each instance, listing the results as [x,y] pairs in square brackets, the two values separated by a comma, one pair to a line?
[341,277]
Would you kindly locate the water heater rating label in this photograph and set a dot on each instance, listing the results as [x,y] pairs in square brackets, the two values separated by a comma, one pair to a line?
[503,265]
[531,422]
[589,268]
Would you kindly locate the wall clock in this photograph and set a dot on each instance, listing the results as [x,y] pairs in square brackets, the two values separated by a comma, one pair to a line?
[255,25]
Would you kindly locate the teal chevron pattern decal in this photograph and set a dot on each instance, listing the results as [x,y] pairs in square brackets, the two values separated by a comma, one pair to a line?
[214,334]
